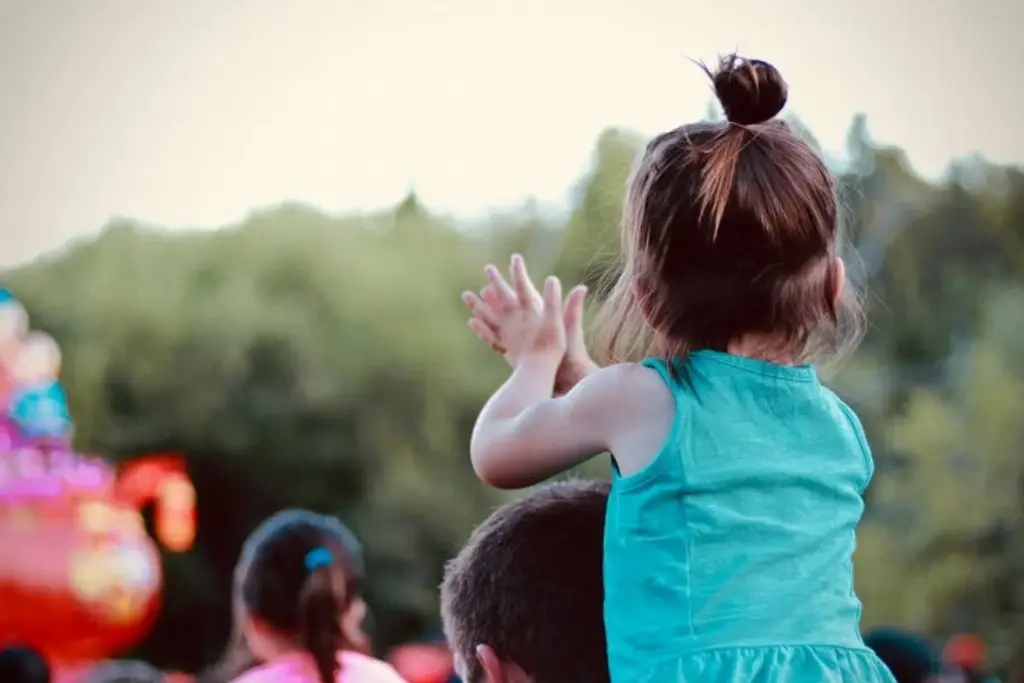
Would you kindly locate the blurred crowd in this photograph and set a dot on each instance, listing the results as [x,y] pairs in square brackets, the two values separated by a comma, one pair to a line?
[526,598]
[521,602]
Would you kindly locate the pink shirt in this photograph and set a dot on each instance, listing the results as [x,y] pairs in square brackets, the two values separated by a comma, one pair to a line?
[299,668]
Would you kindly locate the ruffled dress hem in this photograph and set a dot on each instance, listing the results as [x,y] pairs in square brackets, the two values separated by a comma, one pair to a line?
[776,664]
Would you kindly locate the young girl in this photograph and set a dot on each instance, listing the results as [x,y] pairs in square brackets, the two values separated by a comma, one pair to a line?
[738,478]
[296,584]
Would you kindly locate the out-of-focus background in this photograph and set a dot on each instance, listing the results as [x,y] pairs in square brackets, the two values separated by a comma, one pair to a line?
[247,225]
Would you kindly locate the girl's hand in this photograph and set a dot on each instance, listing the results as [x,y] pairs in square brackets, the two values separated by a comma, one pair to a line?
[529,324]
[495,302]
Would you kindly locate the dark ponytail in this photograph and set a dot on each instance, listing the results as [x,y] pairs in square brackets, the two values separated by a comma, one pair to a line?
[321,603]
[299,574]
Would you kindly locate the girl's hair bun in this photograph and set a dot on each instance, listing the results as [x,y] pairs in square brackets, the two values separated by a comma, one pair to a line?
[750,91]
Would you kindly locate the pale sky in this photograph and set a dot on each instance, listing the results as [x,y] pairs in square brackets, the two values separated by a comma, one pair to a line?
[189,113]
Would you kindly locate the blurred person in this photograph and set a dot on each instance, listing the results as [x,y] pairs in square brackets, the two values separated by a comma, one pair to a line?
[299,606]
[22,664]
[238,657]
[522,601]
[910,657]
[427,660]
[966,658]
[120,671]
[738,479]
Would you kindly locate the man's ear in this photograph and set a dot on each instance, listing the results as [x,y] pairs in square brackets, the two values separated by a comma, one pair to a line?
[490,664]
[497,671]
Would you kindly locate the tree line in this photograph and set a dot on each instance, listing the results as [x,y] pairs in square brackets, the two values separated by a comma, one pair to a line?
[304,359]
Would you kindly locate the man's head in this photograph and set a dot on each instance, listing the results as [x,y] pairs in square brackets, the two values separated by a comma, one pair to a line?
[522,602]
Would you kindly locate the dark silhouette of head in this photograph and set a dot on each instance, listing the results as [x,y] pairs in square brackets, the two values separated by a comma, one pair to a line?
[730,233]
[910,657]
[524,597]
[123,671]
[22,664]
[297,578]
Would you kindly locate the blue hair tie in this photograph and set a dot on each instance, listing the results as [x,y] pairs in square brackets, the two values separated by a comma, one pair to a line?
[318,557]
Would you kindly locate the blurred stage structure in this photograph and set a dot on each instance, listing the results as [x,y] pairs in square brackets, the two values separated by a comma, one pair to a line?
[80,577]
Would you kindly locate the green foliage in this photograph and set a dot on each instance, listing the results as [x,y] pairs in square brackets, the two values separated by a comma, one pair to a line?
[303,360]
[294,360]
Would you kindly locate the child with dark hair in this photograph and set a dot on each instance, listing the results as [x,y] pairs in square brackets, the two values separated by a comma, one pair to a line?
[738,479]
[22,664]
[296,582]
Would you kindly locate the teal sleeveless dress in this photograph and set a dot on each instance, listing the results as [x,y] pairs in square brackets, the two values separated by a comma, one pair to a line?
[730,557]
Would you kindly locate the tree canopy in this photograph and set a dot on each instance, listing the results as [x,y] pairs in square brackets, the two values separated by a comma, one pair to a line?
[302,359]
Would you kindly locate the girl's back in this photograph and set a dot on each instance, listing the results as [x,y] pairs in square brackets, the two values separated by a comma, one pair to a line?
[740,533]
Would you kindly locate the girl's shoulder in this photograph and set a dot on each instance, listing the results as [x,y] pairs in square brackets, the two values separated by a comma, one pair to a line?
[647,375]
[633,390]
[616,390]
[285,670]
[360,668]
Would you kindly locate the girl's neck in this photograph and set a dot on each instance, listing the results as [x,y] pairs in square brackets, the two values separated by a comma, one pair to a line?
[268,647]
[756,346]
[764,347]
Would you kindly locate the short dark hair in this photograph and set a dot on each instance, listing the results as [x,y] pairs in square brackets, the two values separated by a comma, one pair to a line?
[22,664]
[529,584]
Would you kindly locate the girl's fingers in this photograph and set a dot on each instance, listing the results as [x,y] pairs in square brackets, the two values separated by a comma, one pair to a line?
[525,291]
[480,308]
[491,297]
[553,300]
[486,334]
[573,315]
[505,294]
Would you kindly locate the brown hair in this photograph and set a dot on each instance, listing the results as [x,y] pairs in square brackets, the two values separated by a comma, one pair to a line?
[298,574]
[528,583]
[730,229]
